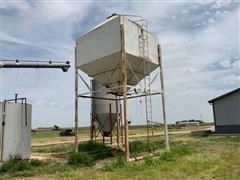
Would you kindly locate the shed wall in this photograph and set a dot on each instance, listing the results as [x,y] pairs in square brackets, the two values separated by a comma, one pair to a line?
[227,110]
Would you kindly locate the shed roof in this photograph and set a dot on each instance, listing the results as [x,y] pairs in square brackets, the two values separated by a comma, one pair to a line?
[224,95]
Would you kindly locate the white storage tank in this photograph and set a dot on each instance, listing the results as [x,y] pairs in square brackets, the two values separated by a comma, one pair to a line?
[99,51]
[101,108]
[15,130]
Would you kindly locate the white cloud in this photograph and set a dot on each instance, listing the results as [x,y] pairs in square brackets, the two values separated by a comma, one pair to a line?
[225,63]
[52,103]
[218,13]
[191,71]
[206,2]
[18,40]
[200,23]
[206,12]
[211,20]
[185,64]
[226,13]
[236,64]
[39,102]
[231,79]
[43,20]
[222,3]
[17,5]
[186,11]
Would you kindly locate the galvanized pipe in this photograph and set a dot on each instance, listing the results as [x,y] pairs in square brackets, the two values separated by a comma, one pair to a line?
[16,97]
[27,64]
[94,97]
[111,99]
[151,94]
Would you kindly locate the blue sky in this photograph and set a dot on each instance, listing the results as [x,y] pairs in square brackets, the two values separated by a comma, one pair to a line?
[200,43]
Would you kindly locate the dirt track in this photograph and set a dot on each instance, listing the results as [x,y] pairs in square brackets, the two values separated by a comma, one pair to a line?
[130,136]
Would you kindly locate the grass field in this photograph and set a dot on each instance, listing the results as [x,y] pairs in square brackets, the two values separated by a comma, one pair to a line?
[50,137]
[212,157]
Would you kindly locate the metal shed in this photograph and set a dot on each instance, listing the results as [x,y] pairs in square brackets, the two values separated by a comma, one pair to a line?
[226,112]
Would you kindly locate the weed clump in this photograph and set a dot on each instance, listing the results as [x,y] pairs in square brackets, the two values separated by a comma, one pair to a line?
[176,152]
[89,146]
[89,153]
[138,146]
[81,158]
[118,162]
[14,165]
[96,150]
[149,162]
[167,156]
[35,163]
[52,167]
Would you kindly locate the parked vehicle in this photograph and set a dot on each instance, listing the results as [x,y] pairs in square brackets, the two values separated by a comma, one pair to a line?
[67,132]
[56,128]
[190,122]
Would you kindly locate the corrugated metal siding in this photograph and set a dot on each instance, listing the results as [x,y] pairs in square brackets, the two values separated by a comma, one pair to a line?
[227,110]
[227,129]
